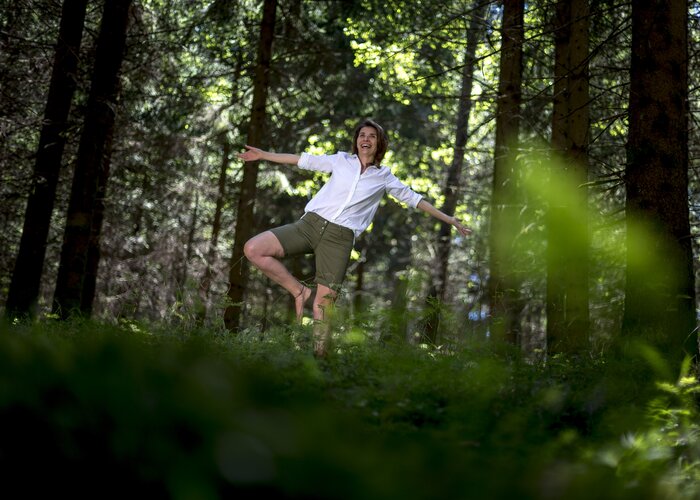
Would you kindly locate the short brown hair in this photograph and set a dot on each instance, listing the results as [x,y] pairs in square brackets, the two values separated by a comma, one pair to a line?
[382,140]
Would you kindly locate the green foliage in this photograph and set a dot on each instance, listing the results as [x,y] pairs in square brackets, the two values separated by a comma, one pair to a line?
[666,455]
[106,409]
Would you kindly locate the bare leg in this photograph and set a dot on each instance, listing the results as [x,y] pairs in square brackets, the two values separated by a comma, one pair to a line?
[264,252]
[323,305]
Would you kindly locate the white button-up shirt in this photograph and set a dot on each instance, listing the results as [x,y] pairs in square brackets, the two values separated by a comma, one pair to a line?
[348,198]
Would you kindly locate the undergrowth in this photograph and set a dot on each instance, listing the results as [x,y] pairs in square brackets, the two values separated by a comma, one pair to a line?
[105,410]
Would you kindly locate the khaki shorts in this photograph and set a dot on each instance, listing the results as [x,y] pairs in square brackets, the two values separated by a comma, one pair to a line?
[330,243]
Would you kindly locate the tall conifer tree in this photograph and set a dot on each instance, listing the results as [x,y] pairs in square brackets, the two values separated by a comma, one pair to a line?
[660,288]
[92,164]
[26,278]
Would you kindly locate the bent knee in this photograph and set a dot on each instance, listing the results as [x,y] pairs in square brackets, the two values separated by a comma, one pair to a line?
[251,249]
[261,246]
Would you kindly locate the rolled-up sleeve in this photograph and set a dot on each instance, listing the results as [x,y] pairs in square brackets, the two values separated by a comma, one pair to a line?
[401,191]
[319,163]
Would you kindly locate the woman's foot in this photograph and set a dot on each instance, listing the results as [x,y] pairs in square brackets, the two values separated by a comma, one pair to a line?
[300,300]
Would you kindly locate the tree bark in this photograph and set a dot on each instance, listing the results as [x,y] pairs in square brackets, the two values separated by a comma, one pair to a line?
[190,244]
[26,278]
[567,225]
[92,163]
[504,282]
[92,263]
[212,252]
[211,257]
[399,264]
[358,303]
[239,270]
[436,290]
[660,289]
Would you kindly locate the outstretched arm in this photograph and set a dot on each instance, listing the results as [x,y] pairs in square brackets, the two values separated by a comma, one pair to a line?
[254,154]
[438,214]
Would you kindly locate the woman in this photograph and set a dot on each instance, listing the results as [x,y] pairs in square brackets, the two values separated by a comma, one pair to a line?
[341,210]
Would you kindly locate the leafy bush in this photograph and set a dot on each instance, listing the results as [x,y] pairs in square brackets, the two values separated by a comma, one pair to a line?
[104,410]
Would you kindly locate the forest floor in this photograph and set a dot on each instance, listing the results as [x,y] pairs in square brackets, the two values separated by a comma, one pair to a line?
[105,410]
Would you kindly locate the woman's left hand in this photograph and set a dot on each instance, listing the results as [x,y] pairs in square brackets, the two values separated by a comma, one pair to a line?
[463,230]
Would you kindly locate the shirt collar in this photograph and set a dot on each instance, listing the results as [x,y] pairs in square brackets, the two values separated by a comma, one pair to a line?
[368,166]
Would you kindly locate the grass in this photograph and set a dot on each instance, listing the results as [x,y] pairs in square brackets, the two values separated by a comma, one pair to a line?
[103,410]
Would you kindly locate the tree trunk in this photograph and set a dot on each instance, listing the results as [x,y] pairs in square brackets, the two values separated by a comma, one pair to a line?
[93,255]
[212,252]
[92,163]
[238,274]
[358,304]
[26,278]
[205,284]
[189,245]
[436,293]
[504,282]
[660,290]
[398,269]
[568,241]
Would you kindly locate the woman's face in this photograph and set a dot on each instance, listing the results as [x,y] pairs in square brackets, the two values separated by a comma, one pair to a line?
[367,142]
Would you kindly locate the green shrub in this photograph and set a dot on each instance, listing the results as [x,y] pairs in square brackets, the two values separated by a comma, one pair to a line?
[94,409]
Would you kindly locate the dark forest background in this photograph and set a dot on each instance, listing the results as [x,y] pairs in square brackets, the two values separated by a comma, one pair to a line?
[563,133]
